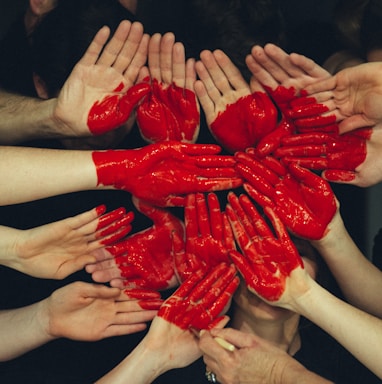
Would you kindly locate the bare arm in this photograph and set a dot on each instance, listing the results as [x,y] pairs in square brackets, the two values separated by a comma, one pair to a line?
[358,278]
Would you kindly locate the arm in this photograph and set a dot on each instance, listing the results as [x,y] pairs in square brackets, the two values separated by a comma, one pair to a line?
[106,73]
[162,173]
[253,360]
[59,249]
[358,278]
[285,283]
[72,312]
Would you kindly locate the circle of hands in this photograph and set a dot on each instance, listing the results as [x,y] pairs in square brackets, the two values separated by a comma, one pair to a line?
[279,137]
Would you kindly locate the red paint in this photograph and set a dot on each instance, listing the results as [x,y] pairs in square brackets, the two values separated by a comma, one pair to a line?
[147,299]
[114,110]
[302,199]
[268,258]
[320,151]
[209,236]
[168,113]
[243,123]
[201,299]
[145,258]
[165,173]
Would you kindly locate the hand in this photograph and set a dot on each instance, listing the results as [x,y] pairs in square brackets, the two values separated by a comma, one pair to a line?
[267,260]
[282,78]
[201,300]
[164,173]
[90,312]
[350,158]
[209,237]
[59,249]
[228,102]
[144,259]
[304,201]
[170,111]
[353,95]
[285,82]
[255,360]
[99,95]
[169,344]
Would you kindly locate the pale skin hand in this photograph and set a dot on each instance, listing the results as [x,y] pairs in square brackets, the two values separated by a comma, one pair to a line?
[353,94]
[59,249]
[79,311]
[99,73]
[273,67]
[254,360]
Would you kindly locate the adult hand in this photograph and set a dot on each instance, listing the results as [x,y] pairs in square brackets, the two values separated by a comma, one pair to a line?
[90,312]
[351,158]
[170,111]
[267,260]
[285,82]
[59,249]
[198,302]
[237,116]
[353,95]
[164,173]
[254,360]
[209,237]
[100,95]
[304,201]
[144,259]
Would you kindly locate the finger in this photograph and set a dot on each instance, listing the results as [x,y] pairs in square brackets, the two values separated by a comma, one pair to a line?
[178,66]
[259,72]
[92,53]
[166,59]
[216,73]
[154,56]
[130,48]
[231,71]
[114,46]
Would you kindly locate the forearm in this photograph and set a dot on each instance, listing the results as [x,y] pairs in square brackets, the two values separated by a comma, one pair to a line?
[25,118]
[33,173]
[358,278]
[139,367]
[359,332]
[297,373]
[22,330]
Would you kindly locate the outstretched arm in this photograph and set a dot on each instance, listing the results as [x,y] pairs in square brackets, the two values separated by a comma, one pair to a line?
[99,84]
[59,249]
[285,283]
[162,174]
[73,312]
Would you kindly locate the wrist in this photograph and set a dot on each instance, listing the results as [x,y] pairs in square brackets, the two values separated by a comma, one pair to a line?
[113,168]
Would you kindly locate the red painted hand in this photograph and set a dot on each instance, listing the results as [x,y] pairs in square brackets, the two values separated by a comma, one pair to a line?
[144,259]
[267,260]
[304,201]
[338,155]
[170,111]
[164,173]
[237,116]
[202,299]
[208,236]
